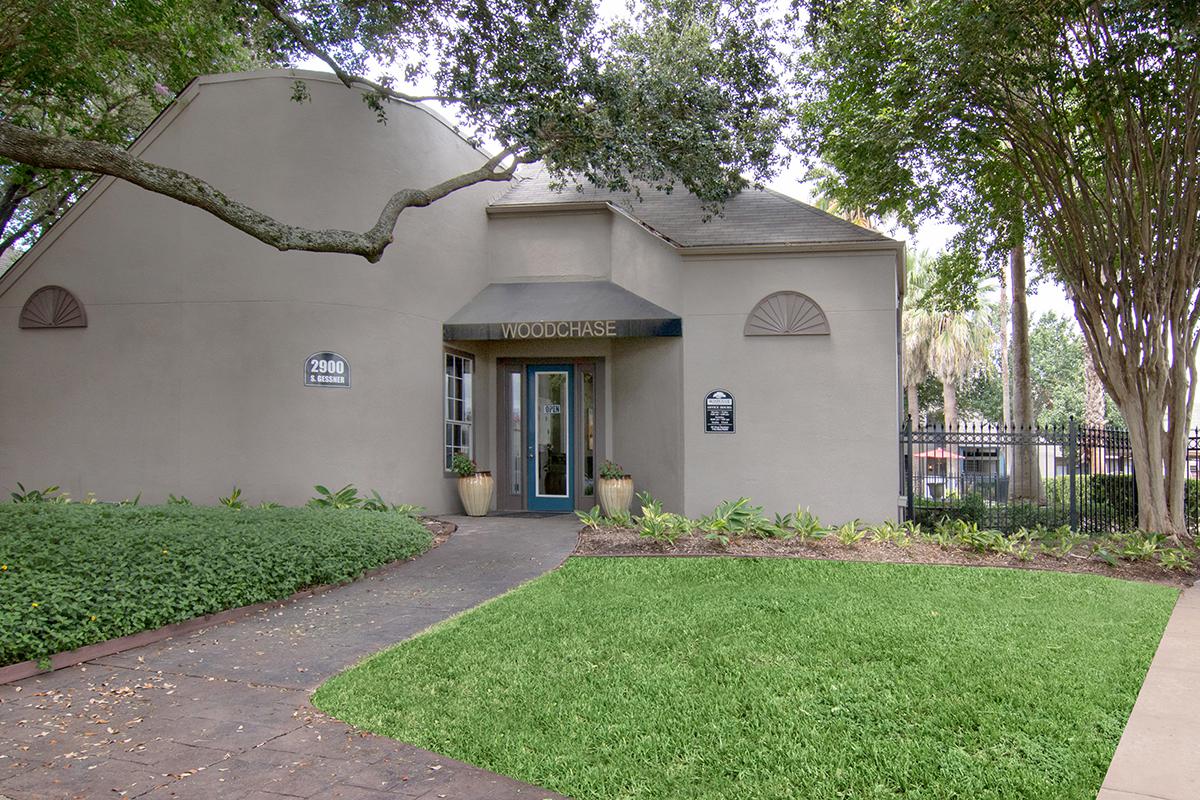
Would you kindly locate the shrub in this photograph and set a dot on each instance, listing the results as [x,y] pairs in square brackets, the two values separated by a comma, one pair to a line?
[734,517]
[969,508]
[592,519]
[1031,515]
[612,471]
[72,575]
[662,526]
[463,465]
[851,533]
[808,525]
[234,500]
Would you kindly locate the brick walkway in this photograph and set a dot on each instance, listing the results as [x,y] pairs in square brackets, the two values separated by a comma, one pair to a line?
[1158,757]
[224,713]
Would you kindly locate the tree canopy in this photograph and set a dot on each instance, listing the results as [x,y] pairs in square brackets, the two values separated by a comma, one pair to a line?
[1084,113]
[678,93]
[61,75]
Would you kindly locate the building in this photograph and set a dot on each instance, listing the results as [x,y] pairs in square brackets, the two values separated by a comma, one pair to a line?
[148,347]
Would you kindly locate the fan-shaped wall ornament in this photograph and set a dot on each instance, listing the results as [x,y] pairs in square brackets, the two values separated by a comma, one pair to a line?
[786,314]
[53,307]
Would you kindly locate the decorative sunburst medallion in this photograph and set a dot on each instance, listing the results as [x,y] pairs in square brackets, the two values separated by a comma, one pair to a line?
[786,314]
[53,307]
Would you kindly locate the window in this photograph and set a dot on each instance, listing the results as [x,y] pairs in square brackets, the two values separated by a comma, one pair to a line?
[459,369]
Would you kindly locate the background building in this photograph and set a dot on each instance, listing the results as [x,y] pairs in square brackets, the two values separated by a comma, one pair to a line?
[539,331]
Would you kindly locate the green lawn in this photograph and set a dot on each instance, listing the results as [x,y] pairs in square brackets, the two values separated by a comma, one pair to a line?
[72,575]
[737,678]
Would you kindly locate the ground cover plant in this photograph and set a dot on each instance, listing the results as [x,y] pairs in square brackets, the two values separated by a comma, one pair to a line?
[73,574]
[632,678]
[737,527]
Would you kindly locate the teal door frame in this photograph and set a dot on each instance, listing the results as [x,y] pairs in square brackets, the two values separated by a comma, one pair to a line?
[534,500]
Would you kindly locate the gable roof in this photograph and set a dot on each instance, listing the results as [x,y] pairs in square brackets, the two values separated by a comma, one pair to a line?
[752,217]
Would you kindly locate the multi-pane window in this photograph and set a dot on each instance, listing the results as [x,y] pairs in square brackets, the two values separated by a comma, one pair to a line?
[459,369]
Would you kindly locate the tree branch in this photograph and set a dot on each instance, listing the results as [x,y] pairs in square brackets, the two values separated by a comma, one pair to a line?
[39,150]
[306,42]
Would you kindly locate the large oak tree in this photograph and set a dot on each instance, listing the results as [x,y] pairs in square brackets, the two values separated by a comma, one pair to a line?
[679,92]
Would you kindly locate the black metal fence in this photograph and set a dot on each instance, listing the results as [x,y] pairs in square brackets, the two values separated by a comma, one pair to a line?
[1011,477]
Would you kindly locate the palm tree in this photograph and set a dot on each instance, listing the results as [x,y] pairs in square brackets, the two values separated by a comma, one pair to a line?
[948,344]
[958,343]
[916,330]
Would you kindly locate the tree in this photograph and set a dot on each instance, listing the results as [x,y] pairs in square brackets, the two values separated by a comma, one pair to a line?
[1094,105]
[942,334]
[956,348]
[681,92]
[916,334]
[872,111]
[61,76]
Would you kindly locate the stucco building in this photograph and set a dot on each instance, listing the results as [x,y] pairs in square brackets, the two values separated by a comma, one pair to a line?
[753,354]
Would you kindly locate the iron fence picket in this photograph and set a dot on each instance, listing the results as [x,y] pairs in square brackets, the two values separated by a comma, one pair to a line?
[1086,478]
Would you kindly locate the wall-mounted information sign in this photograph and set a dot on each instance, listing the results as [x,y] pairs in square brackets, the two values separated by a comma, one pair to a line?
[328,370]
[718,412]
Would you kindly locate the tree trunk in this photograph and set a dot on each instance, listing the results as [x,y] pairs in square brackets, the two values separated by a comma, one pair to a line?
[1026,481]
[1005,377]
[950,404]
[914,406]
[1160,488]
[1005,383]
[1095,407]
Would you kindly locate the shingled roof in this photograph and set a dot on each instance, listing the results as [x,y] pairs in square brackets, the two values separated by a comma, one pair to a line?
[752,217]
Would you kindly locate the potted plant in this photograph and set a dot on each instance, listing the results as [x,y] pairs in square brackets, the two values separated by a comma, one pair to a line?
[616,489]
[475,486]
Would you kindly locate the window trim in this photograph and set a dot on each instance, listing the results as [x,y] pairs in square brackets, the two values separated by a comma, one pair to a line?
[469,400]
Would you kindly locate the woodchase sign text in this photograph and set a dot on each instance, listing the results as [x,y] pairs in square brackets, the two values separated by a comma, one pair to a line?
[562,329]
[559,330]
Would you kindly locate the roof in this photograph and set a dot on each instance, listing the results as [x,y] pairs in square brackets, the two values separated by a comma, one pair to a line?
[752,217]
[559,310]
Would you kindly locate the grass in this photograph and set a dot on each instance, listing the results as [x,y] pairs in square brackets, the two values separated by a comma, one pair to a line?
[74,574]
[719,678]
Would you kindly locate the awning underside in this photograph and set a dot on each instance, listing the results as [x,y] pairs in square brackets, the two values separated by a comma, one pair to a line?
[559,310]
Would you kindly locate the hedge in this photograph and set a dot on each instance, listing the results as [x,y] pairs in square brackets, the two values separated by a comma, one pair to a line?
[73,574]
[1102,500]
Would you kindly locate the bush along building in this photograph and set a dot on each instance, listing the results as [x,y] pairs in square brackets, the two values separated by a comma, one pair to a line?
[148,347]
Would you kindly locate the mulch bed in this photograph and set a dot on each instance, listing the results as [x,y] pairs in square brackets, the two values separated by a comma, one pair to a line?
[440,529]
[626,542]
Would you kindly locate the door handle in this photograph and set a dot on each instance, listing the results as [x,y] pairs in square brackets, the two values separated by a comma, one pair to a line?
[529,452]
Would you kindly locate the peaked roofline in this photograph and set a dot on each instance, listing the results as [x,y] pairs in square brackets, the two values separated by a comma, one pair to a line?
[157,126]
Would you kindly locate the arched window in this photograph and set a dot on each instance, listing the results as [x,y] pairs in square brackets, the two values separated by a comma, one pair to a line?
[53,307]
[786,314]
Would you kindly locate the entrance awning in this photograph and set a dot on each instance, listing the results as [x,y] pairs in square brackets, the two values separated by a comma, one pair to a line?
[559,310]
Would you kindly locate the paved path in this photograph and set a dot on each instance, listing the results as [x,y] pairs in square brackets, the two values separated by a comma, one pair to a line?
[224,714]
[1158,757]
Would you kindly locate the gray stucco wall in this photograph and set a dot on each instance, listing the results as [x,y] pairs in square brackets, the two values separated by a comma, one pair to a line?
[648,416]
[188,378]
[816,415]
[573,246]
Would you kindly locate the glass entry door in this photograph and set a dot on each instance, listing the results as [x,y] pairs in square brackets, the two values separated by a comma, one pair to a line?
[548,456]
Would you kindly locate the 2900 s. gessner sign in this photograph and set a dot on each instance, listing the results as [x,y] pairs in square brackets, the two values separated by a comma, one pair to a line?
[327,370]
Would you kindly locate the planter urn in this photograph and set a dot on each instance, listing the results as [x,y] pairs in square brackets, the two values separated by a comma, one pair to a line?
[616,494]
[476,491]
